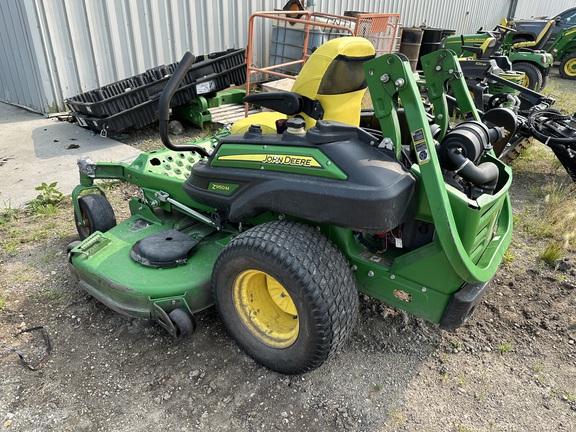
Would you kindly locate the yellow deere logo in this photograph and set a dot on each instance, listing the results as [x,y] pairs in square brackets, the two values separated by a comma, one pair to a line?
[291,160]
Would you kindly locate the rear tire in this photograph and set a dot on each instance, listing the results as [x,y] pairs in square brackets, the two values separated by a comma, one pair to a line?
[97,215]
[533,79]
[567,66]
[286,295]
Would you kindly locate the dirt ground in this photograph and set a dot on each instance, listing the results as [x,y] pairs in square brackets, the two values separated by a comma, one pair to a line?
[512,367]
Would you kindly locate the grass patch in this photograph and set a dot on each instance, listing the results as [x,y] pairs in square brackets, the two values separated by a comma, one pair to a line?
[550,212]
[456,344]
[505,347]
[508,258]
[50,297]
[552,253]
[563,92]
[7,215]
[551,217]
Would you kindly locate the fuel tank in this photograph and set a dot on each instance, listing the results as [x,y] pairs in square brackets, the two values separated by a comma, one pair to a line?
[333,173]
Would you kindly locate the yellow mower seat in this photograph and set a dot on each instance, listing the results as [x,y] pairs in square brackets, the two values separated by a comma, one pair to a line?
[540,39]
[332,79]
[488,47]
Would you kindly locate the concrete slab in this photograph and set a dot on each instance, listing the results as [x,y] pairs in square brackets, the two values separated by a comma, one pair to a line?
[35,149]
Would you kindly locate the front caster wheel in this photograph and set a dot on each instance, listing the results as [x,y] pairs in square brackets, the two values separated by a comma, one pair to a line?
[286,294]
[183,323]
[96,215]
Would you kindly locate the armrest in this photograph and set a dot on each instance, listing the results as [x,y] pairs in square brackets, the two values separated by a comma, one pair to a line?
[288,103]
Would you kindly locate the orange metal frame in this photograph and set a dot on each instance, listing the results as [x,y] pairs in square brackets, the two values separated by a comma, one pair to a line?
[370,26]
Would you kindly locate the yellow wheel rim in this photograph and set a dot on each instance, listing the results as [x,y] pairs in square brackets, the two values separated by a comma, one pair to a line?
[570,67]
[525,82]
[266,308]
[85,223]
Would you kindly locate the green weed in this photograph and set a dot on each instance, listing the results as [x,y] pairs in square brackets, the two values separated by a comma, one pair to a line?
[46,210]
[505,347]
[50,297]
[552,253]
[508,258]
[397,418]
[7,215]
[49,193]
[456,344]
[10,247]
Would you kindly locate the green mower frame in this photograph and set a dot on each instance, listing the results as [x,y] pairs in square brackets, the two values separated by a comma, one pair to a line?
[285,280]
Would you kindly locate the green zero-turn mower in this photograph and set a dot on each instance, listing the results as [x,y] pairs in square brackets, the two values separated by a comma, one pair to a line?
[281,231]
[535,63]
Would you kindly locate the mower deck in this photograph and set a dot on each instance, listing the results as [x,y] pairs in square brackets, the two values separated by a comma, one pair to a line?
[105,268]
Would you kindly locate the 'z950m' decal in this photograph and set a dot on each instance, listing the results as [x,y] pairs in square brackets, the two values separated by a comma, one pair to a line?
[290,160]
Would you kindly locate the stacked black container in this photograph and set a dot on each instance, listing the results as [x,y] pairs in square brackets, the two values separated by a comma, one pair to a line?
[133,102]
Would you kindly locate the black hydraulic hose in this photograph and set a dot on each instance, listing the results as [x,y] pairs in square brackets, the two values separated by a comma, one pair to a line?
[484,175]
[164,106]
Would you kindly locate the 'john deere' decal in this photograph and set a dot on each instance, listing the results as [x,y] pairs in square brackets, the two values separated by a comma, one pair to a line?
[290,160]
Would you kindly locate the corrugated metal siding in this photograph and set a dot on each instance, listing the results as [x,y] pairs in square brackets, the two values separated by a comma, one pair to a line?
[463,16]
[534,8]
[19,70]
[54,49]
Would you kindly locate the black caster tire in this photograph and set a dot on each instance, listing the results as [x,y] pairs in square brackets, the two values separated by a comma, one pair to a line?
[286,295]
[183,322]
[97,215]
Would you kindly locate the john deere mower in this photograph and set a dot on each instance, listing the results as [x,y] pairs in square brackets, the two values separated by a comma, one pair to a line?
[281,230]
[524,57]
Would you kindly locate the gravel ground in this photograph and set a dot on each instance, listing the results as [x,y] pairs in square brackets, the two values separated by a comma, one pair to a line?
[511,368]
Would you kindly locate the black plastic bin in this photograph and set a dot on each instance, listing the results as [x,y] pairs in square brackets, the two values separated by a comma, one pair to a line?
[134,117]
[209,74]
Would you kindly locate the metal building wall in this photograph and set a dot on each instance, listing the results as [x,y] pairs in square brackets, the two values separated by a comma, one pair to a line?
[464,16]
[533,8]
[20,71]
[54,49]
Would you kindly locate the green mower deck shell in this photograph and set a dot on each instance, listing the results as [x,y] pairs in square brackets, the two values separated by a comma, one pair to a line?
[104,267]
